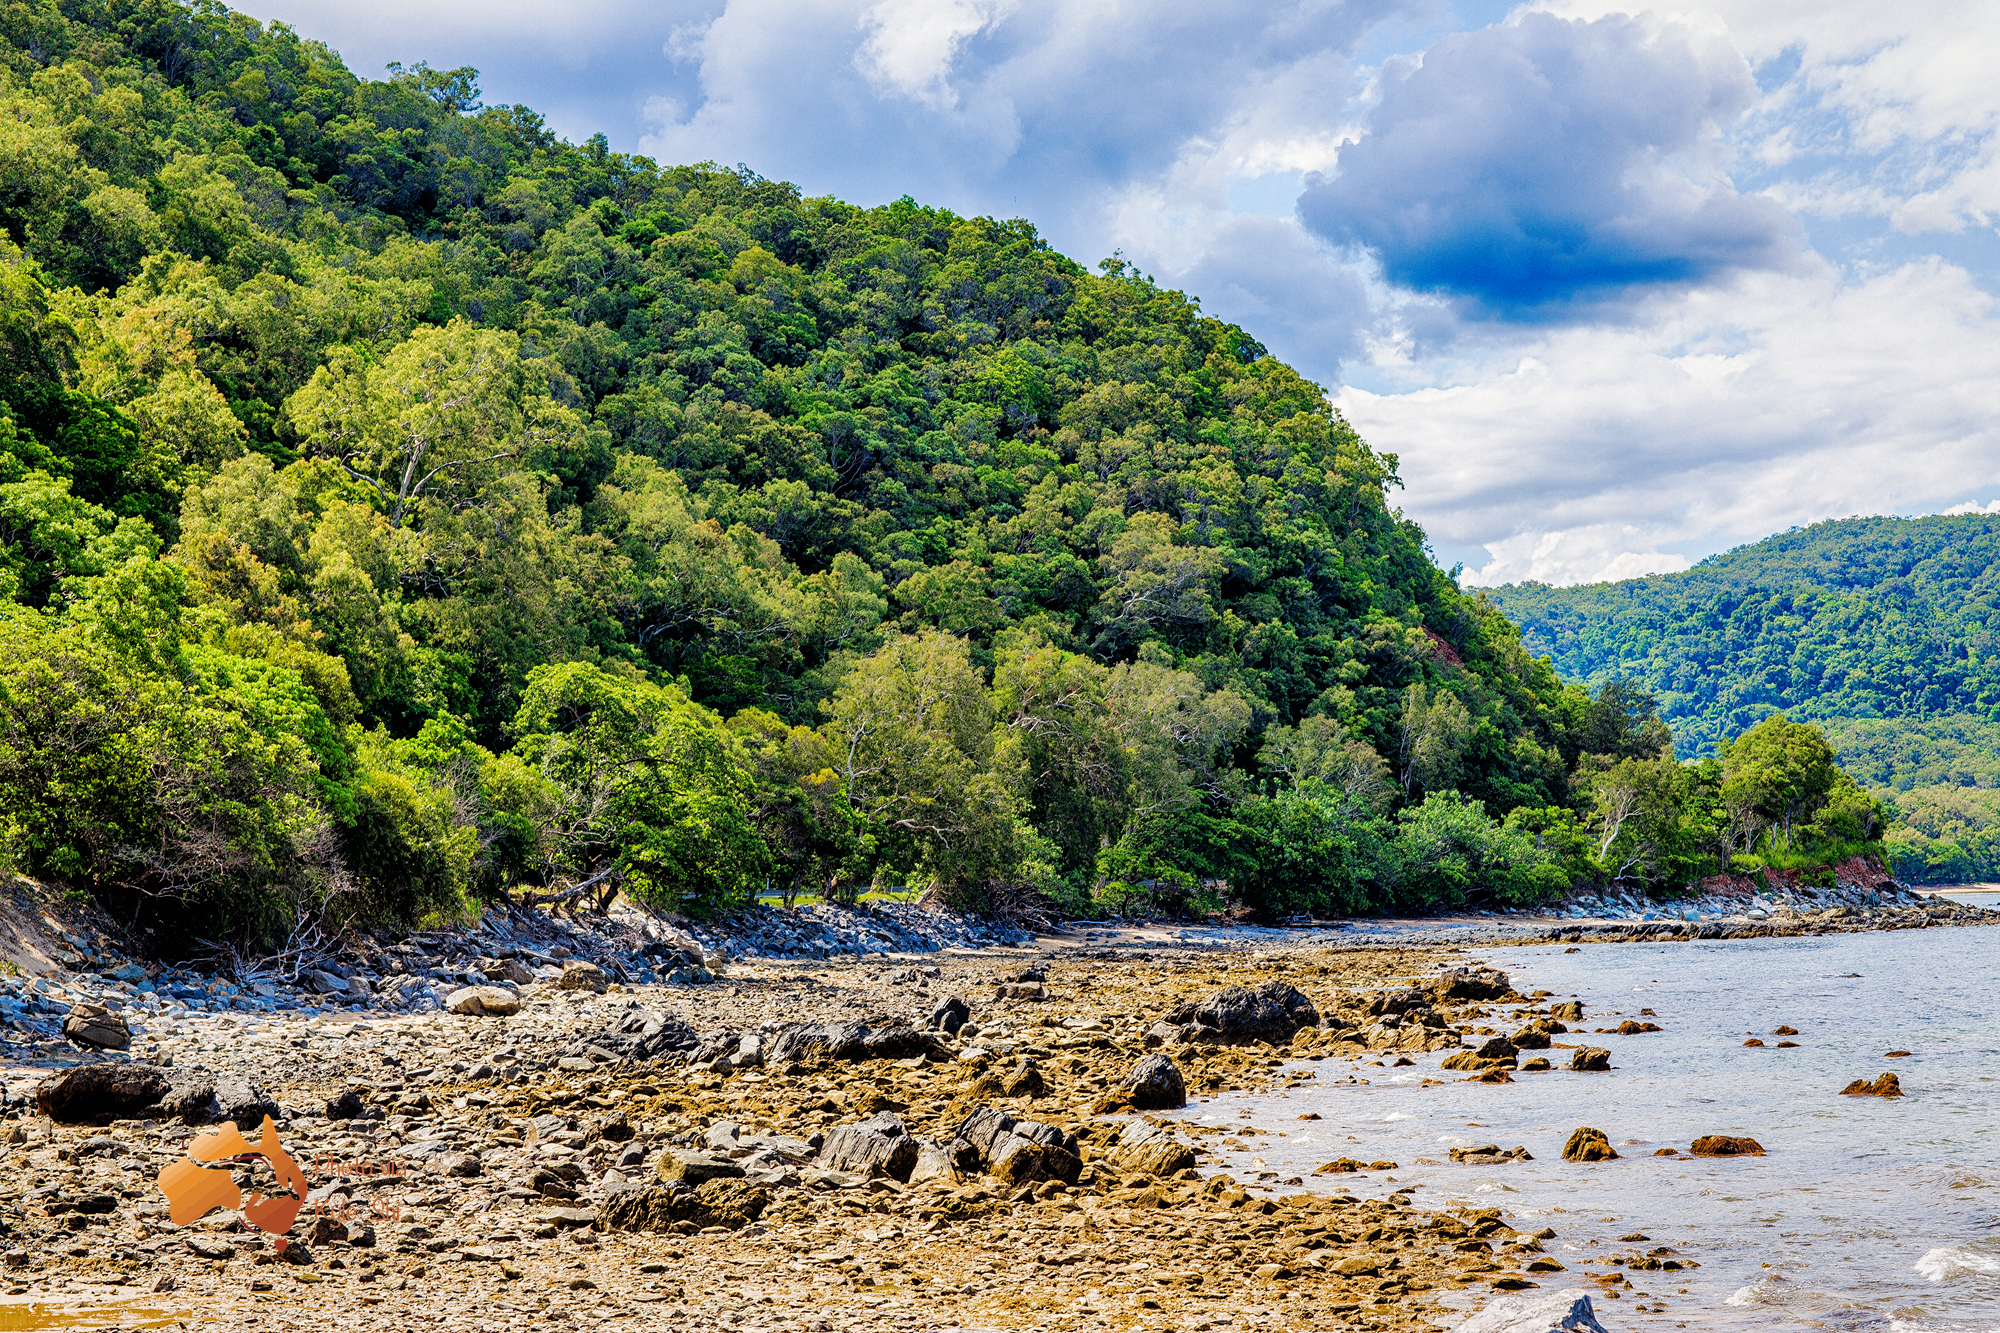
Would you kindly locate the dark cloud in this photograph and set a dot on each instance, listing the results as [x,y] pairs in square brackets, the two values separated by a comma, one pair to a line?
[1536,167]
[1037,108]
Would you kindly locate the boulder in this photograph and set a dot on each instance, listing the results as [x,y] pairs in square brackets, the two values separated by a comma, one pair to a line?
[1530,1039]
[1569,1011]
[1544,1312]
[1489,1154]
[1472,983]
[1015,1150]
[694,1168]
[933,1163]
[1155,1084]
[1724,1145]
[734,1204]
[821,1043]
[1160,1034]
[641,1034]
[95,1026]
[1590,1059]
[1020,990]
[489,1001]
[1493,1053]
[347,1106]
[1887,1085]
[877,1146]
[950,1015]
[579,975]
[1149,1150]
[91,1094]
[324,983]
[1632,1027]
[1273,1012]
[1589,1145]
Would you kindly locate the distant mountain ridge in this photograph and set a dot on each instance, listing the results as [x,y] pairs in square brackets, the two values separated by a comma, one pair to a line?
[1852,618]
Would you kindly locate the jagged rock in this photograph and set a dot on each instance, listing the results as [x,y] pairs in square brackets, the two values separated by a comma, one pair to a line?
[1530,1039]
[483,1000]
[1273,1012]
[93,1025]
[933,1163]
[1590,1059]
[459,1165]
[1551,1312]
[1589,1145]
[1888,1085]
[100,1093]
[1162,1033]
[579,975]
[1569,1011]
[347,1106]
[324,983]
[1155,1084]
[1020,990]
[949,1016]
[716,1203]
[1493,1053]
[817,1043]
[694,1168]
[1724,1145]
[1490,1155]
[641,1035]
[1015,1150]
[1148,1149]
[1472,983]
[877,1146]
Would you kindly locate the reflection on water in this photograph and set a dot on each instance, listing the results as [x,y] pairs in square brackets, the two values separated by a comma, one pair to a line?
[1865,1214]
[20,1314]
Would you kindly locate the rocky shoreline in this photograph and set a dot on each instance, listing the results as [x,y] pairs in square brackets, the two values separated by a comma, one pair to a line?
[960,1132]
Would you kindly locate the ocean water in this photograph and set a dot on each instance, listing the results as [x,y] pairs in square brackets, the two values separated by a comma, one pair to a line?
[1865,1214]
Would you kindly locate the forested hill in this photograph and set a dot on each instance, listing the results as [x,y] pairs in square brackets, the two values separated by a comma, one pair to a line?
[1857,618]
[401,506]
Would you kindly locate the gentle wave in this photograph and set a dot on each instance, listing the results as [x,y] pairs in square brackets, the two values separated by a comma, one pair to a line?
[1950,1261]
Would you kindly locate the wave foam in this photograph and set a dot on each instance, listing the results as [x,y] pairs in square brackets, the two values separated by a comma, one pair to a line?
[1950,1261]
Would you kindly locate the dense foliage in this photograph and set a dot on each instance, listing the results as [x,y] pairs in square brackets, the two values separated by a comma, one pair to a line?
[400,505]
[1885,631]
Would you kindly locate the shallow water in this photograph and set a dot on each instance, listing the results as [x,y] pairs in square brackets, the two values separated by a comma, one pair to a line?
[1866,1214]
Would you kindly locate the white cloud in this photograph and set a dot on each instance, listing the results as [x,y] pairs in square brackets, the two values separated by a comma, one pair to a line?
[1727,416]
[912,45]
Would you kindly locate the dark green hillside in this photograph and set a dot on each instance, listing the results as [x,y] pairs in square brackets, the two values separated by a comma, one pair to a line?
[1859,618]
[400,505]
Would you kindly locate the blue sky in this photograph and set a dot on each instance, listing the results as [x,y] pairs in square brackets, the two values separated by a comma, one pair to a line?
[1620,288]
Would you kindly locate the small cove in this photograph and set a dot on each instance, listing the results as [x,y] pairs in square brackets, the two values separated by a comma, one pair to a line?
[1866,1214]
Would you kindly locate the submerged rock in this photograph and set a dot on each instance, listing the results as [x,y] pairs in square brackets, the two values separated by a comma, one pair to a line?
[1724,1145]
[1887,1085]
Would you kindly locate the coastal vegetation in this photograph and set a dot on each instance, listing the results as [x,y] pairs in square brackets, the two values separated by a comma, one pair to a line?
[1883,631]
[401,507]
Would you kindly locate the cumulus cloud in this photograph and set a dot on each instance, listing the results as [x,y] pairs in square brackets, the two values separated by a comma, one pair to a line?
[1050,109]
[1735,414]
[1540,164]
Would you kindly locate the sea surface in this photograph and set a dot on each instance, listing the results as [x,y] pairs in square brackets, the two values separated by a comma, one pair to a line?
[1864,1214]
